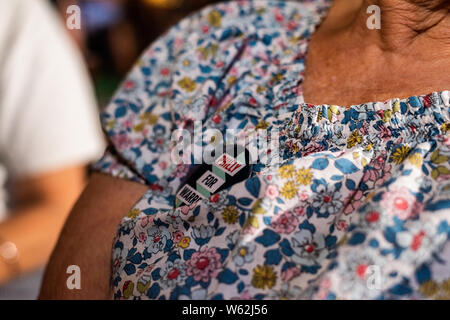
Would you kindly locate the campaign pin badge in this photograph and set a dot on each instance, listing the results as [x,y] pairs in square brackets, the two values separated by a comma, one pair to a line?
[228,164]
[188,195]
[209,182]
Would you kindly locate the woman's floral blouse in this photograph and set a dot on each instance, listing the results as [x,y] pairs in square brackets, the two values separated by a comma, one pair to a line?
[358,208]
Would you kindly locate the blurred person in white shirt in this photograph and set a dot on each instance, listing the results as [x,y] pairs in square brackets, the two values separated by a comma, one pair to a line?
[49,132]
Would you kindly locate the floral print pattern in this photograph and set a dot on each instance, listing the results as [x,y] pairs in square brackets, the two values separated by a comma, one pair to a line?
[357,208]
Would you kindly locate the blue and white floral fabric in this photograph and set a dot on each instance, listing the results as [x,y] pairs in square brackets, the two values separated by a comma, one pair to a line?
[358,207]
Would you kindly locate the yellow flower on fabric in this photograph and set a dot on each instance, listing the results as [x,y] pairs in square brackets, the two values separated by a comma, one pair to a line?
[429,288]
[368,147]
[387,115]
[304,176]
[257,208]
[230,214]
[295,148]
[354,139]
[364,162]
[396,106]
[133,213]
[416,159]
[445,127]
[214,18]
[252,221]
[150,118]
[438,171]
[128,288]
[287,171]
[264,277]
[110,124]
[436,291]
[332,110]
[289,190]
[242,251]
[262,125]
[437,158]
[187,84]
[400,154]
[277,77]
[260,89]
[320,116]
[143,287]
[184,242]
[139,127]
[231,80]
[186,62]
[204,52]
[213,49]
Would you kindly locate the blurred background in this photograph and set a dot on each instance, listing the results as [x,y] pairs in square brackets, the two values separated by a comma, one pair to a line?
[53,82]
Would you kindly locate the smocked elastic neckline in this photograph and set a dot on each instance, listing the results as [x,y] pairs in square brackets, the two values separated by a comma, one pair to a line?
[415,101]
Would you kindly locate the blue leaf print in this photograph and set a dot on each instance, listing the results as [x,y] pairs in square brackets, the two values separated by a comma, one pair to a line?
[268,238]
[357,238]
[400,290]
[120,112]
[267,221]
[156,275]
[129,269]
[154,290]
[273,257]
[423,274]
[227,276]
[188,253]
[320,164]
[350,184]
[346,166]
[136,259]
[286,248]
[308,226]
[438,205]
[245,201]
[253,185]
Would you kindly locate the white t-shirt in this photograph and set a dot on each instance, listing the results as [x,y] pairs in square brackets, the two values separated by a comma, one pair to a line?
[48,115]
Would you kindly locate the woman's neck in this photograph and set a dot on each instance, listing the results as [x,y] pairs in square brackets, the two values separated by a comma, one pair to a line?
[406,24]
[350,63]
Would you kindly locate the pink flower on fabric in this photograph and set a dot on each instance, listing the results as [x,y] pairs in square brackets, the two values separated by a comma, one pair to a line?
[290,274]
[299,211]
[312,148]
[146,220]
[163,165]
[324,288]
[181,170]
[342,225]
[303,195]
[401,203]
[204,264]
[248,229]
[370,175]
[272,191]
[284,223]
[245,295]
[353,202]
[177,236]
[142,237]
[386,175]
[121,141]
